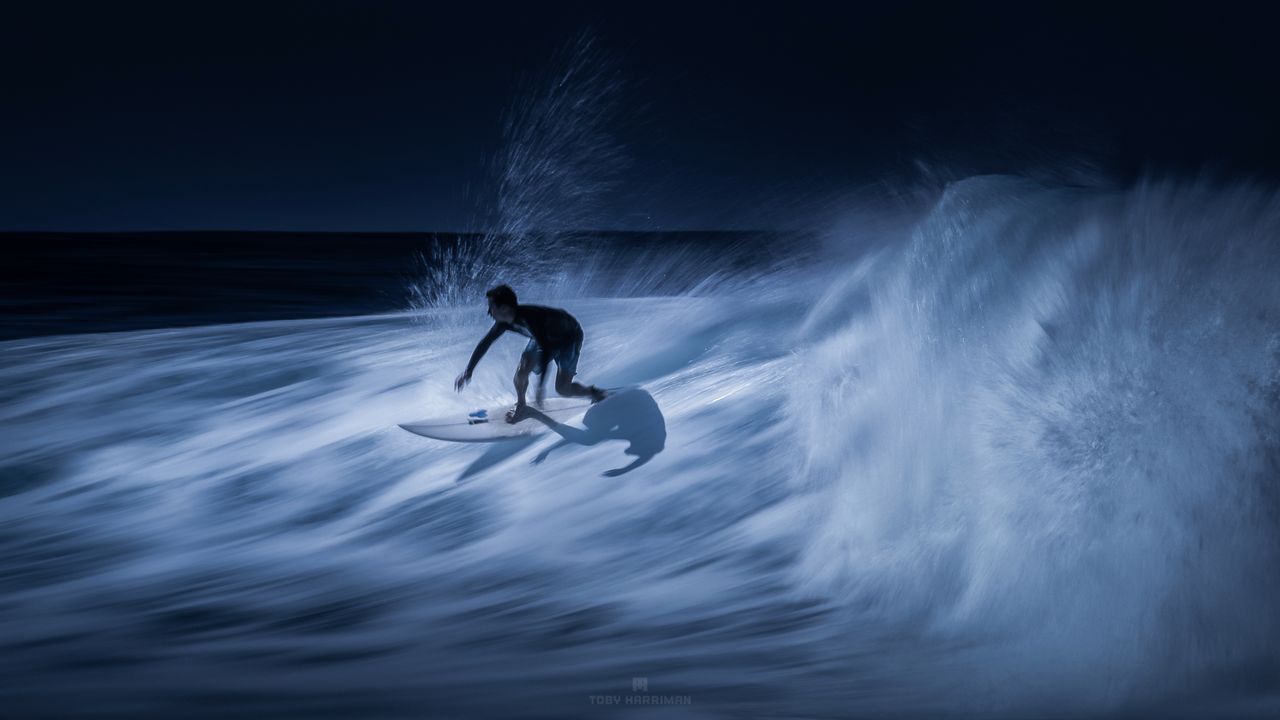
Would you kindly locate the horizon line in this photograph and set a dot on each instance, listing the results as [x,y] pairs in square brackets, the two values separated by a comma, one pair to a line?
[396,232]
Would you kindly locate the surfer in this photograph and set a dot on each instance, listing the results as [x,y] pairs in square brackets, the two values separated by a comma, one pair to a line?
[553,335]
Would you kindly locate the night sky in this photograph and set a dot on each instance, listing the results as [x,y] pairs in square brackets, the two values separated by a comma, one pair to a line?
[388,116]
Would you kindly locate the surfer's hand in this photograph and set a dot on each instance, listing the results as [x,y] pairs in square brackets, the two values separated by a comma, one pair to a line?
[462,381]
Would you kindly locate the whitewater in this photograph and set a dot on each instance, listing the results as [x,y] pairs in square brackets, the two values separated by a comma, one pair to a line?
[1018,458]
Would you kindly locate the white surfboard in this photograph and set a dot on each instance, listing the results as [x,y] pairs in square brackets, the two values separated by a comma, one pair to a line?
[490,424]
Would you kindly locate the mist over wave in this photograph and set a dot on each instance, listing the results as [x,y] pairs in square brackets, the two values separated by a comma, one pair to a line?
[1051,428]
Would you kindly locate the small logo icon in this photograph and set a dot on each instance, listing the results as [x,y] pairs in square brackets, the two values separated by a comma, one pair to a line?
[639,684]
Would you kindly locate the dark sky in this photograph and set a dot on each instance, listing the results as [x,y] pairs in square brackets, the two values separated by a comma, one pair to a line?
[388,116]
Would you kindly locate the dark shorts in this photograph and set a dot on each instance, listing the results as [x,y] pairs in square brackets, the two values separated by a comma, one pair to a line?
[565,356]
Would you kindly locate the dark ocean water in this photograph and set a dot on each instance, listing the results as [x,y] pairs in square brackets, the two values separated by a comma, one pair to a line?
[66,283]
[60,283]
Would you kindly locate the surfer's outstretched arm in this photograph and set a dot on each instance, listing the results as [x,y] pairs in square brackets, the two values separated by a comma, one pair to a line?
[482,347]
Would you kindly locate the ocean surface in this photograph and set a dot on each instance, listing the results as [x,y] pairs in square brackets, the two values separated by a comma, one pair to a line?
[1011,451]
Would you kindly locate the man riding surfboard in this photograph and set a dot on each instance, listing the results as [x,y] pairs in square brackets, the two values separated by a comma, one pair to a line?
[553,335]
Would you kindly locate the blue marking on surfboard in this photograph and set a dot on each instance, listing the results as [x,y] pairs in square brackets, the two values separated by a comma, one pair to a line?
[479,416]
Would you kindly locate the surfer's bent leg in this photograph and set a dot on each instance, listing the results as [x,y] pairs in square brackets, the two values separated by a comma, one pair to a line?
[568,388]
[566,367]
[528,361]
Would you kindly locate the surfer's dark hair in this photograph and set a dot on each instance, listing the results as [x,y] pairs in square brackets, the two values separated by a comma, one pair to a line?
[502,295]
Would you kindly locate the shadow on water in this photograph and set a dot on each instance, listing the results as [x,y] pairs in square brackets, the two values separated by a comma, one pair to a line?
[495,454]
[630,414]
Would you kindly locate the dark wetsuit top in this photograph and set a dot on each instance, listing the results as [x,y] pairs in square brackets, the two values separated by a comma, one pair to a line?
[552,332]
